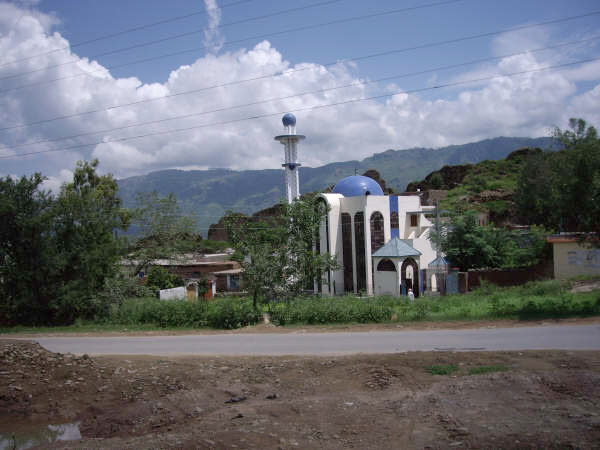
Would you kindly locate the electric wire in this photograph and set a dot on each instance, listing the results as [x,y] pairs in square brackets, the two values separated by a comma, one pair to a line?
[308,108]
[237,41]
[178,36]
[290,71]
[259,102]
[127,31]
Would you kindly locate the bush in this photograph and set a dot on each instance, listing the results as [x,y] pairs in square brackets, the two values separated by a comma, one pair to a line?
[229,313]
[330,310]
[225,313]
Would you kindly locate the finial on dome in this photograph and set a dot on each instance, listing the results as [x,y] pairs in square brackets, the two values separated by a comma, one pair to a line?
[289,120]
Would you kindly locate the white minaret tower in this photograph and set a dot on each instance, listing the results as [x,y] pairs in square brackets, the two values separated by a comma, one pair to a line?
[290,141]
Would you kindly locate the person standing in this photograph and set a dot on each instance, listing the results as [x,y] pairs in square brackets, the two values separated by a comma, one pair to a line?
[411,295]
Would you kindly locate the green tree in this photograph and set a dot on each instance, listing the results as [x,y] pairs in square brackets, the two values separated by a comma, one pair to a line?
[87,215]
[277,253]
[163,231]
[561,190]
[58,251]
[28,270]
[160,278]
[469,245]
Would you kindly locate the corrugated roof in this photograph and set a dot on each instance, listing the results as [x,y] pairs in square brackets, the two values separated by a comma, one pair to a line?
[396,248]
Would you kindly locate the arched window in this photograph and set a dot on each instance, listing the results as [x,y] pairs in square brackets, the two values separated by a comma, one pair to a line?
[347,252]
[359,245]
[386,265]
[394,222]
[377,236]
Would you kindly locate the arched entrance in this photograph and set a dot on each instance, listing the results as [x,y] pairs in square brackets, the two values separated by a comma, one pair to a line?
[410,283]
[386,278]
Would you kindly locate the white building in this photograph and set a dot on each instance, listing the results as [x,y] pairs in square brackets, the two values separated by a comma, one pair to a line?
[381,241]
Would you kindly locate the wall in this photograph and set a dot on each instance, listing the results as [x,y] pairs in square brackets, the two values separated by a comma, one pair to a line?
[508,277]
[177,293]
[571,259]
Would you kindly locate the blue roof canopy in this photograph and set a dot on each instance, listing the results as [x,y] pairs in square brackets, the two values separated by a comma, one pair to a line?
[396,248]
[357,185]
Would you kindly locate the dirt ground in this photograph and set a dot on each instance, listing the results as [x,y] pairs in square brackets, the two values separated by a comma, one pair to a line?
[547,399]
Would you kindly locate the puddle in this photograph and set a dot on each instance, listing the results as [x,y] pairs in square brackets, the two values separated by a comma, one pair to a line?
[27,436]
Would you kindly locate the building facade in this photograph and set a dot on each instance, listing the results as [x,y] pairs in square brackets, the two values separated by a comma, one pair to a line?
[381,241]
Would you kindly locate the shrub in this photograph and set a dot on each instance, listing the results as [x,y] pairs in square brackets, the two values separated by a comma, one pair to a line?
[330,310]
[229,313]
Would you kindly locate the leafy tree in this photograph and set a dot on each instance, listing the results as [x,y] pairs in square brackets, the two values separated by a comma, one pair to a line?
[561,190]
[164,232]
[57,251]
[277,253]
[28,271]
[469,245]
[88,212]
[160,278]
[436,181]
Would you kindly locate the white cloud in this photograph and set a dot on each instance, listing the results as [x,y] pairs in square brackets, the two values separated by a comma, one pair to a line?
[212,34]
[54,183]
[526,105]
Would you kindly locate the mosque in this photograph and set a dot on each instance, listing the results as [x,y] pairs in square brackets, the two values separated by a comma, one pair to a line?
[381,241]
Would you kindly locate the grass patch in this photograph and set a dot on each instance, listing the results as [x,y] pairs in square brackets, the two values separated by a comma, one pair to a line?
[480,370]
[546,299]
[446,369]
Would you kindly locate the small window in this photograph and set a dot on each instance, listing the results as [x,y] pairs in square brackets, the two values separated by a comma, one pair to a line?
[386,265]
[395,223]
[142,274]
[413,220]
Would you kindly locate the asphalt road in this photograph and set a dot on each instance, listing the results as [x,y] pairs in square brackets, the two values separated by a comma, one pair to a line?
[561,337]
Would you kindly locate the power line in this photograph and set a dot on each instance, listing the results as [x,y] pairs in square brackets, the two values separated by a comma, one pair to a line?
[261,36]
[354,84]
[287,72]
[178,36]
[129,30]
[309,108]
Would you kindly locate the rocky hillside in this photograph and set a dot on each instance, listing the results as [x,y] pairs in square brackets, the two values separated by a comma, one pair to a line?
[487,186]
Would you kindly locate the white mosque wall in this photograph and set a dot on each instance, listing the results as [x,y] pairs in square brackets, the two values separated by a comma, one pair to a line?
[423,244]
[335,242]
[405,204]
[339,204]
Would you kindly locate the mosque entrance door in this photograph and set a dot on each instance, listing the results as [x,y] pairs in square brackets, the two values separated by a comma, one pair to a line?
[410,282]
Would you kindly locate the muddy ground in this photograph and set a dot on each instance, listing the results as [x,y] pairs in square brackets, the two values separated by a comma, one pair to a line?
[547,399]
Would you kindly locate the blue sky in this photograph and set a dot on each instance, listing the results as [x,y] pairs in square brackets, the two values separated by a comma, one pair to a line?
[526,105]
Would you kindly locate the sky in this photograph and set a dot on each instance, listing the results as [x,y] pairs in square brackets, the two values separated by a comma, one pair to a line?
[147,85]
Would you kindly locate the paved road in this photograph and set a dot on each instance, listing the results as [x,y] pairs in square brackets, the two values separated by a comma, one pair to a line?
[561,337]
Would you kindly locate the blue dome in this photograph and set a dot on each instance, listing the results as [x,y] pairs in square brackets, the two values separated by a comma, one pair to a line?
[357,185]
[289,120]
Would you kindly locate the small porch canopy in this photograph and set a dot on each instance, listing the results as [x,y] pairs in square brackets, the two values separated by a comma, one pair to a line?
[391,262]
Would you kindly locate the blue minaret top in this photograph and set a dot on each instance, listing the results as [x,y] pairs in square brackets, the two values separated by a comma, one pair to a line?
[289,120]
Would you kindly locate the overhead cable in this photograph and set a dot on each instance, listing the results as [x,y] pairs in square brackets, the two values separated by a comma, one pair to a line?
[237,41]
[178,36]
[126,31]
[300,69]
[317,91]
[308,108]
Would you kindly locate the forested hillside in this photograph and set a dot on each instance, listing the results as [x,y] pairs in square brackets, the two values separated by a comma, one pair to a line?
[207,194]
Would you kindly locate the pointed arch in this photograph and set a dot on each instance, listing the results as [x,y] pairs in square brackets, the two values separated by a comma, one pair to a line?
[377,234]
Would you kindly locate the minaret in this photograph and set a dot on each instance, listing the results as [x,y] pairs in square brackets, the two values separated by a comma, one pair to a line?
[290,141]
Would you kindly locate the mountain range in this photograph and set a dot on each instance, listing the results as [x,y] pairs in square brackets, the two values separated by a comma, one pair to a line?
[208,194]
